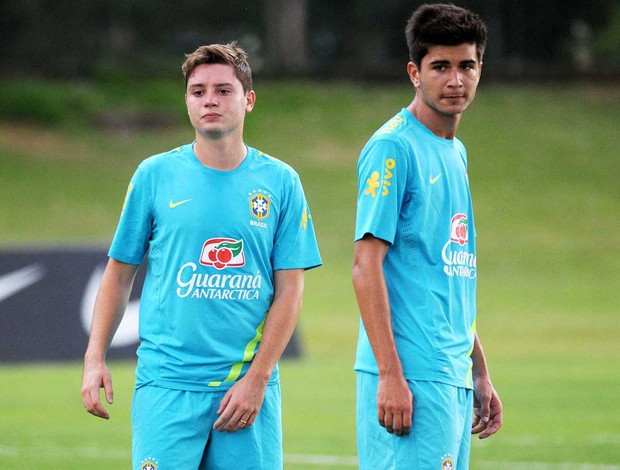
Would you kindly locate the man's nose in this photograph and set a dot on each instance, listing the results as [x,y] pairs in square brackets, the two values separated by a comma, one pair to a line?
[211,99]
[455,78]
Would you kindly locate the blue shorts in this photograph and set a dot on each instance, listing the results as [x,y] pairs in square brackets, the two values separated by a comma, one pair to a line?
[172,429]
[440,435]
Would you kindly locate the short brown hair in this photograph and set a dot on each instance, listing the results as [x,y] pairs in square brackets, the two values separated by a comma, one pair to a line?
[228,54]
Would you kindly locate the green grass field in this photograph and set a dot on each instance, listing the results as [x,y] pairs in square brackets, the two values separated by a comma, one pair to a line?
[544,170]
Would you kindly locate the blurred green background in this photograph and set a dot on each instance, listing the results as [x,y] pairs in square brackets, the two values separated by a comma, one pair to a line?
[544,173]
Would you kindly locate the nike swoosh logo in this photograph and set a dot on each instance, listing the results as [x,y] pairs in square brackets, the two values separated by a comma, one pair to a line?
[12,283]
[436,178]
[175,204]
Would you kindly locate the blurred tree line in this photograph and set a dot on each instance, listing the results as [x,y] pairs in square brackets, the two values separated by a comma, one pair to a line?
[323,38]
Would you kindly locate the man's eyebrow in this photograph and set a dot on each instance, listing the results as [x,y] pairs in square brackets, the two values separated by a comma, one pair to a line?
[445,62]
[202,85]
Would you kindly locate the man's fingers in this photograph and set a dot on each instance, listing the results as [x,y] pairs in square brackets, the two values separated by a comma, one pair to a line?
[488,425]
[496,421]
[485,409]
[225,415]
[220,422]
[92,402]
[109,390]
[245,421]
[224,402]
[476,419]
[397,424]
[492,429]
[389,428]
[100,411]
[94,406]
[235,422]
[401,424]
[478,428]
[478,424]
[387,422]
[407,419]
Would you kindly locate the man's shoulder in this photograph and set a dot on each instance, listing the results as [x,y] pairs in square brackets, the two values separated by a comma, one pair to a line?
[265,162]
[401,130]
[161,161]
[393,128]
[393,136]
[167,156]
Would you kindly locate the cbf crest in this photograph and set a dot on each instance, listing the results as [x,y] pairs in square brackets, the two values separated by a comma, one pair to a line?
[260,205]
[447,463]
[149,463]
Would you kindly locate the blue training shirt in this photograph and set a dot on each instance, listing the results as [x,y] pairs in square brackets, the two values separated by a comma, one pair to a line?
[214,239]
[413,192]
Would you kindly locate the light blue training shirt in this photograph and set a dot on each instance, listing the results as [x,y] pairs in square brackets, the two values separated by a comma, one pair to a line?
[214,239]
[413,192]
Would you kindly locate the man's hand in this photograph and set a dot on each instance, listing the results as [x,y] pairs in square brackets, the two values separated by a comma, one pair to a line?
[95,377]
[488,412]
[108,312]
[395,404]
[240,406]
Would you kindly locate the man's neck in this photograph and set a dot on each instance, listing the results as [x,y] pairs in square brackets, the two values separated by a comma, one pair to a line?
[223,154]
[442,125]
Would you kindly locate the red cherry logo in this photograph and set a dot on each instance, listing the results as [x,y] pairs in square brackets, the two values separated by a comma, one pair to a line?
[224,255]
[461,232]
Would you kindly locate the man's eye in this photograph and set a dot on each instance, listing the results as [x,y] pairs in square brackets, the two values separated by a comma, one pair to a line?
[224,92]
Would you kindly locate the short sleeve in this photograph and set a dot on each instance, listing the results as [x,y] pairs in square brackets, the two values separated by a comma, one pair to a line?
[382,177]
[295,244]
[133,232]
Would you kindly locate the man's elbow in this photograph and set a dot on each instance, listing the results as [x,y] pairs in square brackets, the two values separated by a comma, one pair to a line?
[357,273]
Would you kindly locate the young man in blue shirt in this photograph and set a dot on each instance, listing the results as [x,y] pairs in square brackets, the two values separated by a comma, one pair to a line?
[420,365]
[229,235]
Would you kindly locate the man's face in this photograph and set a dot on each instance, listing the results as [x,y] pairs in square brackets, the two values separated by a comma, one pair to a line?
[447,78]
[216,102]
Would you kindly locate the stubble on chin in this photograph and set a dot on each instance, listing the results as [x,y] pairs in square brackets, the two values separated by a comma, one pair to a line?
[216,134]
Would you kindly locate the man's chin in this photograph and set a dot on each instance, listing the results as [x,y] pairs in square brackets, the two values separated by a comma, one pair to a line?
[215,134]
[453,110]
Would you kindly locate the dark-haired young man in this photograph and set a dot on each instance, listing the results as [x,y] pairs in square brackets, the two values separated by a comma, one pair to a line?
[228,234]
[420,365]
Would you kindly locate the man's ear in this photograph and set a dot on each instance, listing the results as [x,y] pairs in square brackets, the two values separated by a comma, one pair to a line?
[414,74]
[250,97]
